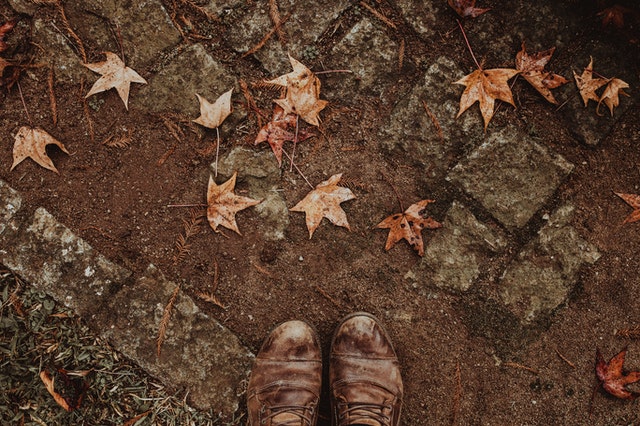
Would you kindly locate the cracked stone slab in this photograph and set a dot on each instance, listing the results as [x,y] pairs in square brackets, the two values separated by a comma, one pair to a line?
[199,354]
[412,132]
[174,88]
[54,260]
[10,204]
[511,175]
[304,27]
[544,273]
[259,169]
[454,256]
[422,16]
[373,60]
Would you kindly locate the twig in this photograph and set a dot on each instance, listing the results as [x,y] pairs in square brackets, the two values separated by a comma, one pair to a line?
[264,271]
[298,170]
[327,296]
[67,26]
[455,408]
[378,15]
[274,14]
[562,357]
[395,191]
[266,38]
[24,104]
[166,317]
[85,108]
[217,151]
[185,205]
[521,367]
[401,55]
[52,98]
[434,120]
[468,45]
[166,155]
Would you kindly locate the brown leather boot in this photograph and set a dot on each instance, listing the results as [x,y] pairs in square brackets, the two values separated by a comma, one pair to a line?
[285,382]
[364,374]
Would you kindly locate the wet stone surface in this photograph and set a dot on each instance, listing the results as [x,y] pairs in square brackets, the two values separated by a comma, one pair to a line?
[541,277]
[511,175]
[455,255]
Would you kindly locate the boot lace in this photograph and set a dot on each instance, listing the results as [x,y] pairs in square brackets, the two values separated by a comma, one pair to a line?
[358,412]
[304,413]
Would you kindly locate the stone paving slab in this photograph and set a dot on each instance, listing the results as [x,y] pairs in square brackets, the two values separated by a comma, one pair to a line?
[454,256]
[542,276]
[199,354]
[511,175]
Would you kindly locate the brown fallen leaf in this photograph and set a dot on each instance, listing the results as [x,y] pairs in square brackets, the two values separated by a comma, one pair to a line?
[31,143]
[531,67]
[279,130]
[303,93]
[611,94]
[467,8]
[614,15]
[485,86]
[213,114]
[115,74]
[67,391]
[224,204]
[632,200]
[409,226]
[588,85]
[613,379]
[4,30]
[324,201]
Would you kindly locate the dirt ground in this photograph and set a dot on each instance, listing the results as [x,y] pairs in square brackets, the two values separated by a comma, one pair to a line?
[117,198]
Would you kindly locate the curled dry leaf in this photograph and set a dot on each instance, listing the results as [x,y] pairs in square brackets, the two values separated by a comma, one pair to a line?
[611,94]
[279,130]
[485,86]
[467,8]
[67,391]
[531,67]
[115,74]
[632,200]
[588,85]
[32,142]
[324,201]
[303,93]
[614,15]
[409,226]
[613,379]
[213,114]
[224,204]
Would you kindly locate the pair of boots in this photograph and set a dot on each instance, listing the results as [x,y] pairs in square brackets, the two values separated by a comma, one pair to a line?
[364,376]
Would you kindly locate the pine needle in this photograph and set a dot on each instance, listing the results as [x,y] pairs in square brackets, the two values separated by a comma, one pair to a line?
[629,333]
[379,15]
[166,317]
[52,98]
[434,120]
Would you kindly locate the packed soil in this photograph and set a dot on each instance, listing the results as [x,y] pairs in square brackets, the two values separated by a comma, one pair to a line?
[460,362]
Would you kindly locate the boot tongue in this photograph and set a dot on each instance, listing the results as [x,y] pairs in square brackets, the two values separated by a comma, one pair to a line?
[287,419]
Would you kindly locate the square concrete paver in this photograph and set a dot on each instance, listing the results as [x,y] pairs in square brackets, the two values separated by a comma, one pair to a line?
[511,175]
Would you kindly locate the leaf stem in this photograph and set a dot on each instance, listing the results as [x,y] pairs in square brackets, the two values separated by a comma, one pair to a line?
[24,104]
[297,169]
[468,45]
[217,151]
[395,191]
[295,142]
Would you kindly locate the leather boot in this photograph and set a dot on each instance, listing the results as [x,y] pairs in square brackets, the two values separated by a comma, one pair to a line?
[285,382]
[364,374]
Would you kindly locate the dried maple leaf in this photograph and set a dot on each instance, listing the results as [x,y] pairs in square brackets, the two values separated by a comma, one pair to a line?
[32,142]
[223,204]
[303,93]
[324,201]
[409,226]
[67,391]
[632,200]
[612,377]
[614,15]
[115,74]
[485,86]
[4,29]
[588,85]
[276,132]
[213,114]
[467,8]
[531,67]
[611,94]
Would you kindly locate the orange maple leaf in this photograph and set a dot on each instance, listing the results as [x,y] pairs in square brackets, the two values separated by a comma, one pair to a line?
[531,67]
[611,94]
[324,201]
[67,391]
[223,204]
[467,8]
[115,74]
[588,85]
[303,93]
[612,377]
[632,200]
[485,86]
[409,226]
[277,132]
[31,143]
